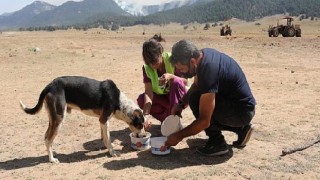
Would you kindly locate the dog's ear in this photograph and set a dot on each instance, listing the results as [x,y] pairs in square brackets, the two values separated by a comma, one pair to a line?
[138,114]
[137,119]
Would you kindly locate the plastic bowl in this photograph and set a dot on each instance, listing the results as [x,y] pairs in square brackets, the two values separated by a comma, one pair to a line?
[158,147]
[142,143]
[171,125]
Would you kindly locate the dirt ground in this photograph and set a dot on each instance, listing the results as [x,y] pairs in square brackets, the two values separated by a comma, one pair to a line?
[284,75]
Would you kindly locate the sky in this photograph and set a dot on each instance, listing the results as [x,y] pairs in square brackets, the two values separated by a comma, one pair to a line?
[8,6]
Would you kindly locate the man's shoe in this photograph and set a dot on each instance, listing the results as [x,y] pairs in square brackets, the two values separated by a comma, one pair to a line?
[243,136]
[213,150]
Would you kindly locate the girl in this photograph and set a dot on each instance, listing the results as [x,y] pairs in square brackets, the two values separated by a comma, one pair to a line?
[163,84]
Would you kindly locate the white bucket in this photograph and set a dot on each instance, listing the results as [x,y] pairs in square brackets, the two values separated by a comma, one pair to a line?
[171,125]
[142,143]
[158,147]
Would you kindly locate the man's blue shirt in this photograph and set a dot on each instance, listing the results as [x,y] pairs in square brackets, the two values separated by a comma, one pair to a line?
[220,74]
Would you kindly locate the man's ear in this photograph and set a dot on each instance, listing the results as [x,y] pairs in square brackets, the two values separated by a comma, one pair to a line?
[193,61]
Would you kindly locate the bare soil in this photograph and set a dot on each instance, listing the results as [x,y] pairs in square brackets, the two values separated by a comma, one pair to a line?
[284,75]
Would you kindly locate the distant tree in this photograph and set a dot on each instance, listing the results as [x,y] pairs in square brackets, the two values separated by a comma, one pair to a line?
[51,28]
[30,29]
[115,27]
[105,26]
[206,27]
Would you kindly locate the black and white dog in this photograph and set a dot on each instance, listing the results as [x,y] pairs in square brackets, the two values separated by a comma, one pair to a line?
[95,98]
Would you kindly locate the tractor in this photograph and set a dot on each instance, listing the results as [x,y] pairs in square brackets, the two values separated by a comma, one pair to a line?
[288,30]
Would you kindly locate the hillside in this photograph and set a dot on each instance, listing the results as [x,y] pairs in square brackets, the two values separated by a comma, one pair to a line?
[23,16]
[76,12]
[225,9]
[68,13]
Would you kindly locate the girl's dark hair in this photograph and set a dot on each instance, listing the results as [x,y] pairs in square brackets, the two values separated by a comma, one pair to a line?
[152,49]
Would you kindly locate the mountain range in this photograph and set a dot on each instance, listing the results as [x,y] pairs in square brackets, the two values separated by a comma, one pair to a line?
[92,13]
[44,14]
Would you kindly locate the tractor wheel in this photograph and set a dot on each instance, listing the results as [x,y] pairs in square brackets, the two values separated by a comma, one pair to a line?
[270,33]
[291,32]
[275,33]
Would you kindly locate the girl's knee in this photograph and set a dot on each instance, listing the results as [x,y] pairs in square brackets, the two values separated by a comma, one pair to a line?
[178,84]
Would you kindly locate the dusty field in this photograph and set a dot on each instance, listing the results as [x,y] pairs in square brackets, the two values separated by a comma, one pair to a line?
[284,74]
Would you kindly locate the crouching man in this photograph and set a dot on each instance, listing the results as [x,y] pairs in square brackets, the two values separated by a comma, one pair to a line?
[220,98]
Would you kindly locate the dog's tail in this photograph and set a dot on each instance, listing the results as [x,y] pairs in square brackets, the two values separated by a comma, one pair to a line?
[38,107]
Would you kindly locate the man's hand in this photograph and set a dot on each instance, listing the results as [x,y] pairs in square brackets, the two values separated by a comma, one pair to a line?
[177,109]
[173,140]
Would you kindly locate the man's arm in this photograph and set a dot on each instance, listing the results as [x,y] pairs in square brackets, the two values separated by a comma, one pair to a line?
[206,107]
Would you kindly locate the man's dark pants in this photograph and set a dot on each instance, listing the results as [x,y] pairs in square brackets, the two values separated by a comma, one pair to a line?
[227,115]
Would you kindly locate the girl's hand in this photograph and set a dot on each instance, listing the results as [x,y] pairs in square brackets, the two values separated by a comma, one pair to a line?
[167,77]
[162,81]
[147,124]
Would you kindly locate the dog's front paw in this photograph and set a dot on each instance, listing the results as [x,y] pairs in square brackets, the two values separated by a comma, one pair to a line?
[54,160]
[114,153]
